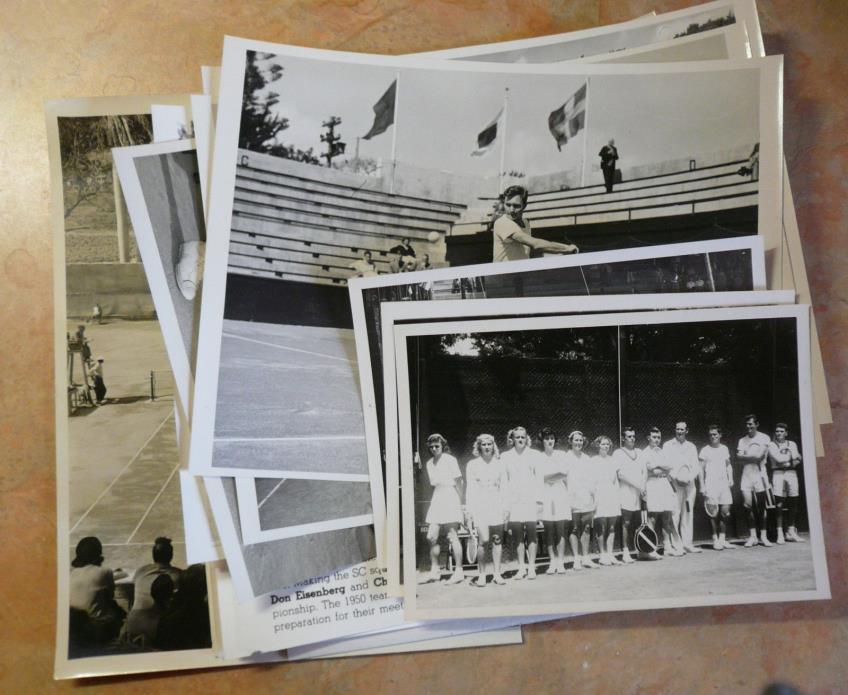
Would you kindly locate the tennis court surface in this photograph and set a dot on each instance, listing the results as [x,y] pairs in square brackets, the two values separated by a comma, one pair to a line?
[283,503]
[289,403]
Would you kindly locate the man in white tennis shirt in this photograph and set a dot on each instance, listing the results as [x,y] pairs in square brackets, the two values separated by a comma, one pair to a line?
[751,453]
[683,456]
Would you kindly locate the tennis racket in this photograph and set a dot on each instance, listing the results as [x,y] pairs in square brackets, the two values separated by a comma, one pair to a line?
[646,538]
[472,545]
[711,507]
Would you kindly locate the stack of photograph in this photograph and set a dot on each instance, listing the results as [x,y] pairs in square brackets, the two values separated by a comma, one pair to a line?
[457,342]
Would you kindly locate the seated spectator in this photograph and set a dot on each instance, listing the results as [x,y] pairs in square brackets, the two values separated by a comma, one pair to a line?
[185,625]
[424,263]
[364,267]
[95,617]
[404,248]
[163,553]
[142,623]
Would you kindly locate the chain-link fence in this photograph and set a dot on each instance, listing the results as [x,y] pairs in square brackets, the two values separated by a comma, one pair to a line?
[753,371]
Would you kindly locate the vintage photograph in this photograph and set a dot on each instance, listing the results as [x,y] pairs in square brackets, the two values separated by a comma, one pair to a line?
[125,588]
[609,41]
[275,508]
[557,463]
[163,185]
[717,266]
[300,216]
[400,313]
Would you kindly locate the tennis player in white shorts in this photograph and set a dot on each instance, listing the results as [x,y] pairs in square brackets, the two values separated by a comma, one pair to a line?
[716,481]
[784,459]
[751,453]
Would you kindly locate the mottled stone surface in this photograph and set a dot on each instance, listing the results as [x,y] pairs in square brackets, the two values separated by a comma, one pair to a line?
[73,48]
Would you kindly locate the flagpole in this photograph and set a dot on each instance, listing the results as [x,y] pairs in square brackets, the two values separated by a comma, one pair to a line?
[503,142]
[585,136]
[394,133]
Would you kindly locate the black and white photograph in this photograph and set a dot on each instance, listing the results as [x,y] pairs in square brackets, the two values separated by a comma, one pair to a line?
[296,216]
[128,600]
[608,462]
[399,313]
[163,187]
[614,40]
[275,508]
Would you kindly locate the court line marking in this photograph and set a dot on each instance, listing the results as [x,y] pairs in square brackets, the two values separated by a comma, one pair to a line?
[150,507]
[123,470]
[265,499]
[301,438]
[285,347]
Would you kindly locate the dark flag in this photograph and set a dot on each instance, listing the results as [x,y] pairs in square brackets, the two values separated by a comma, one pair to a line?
[384,112]
[566,121]
[487,136]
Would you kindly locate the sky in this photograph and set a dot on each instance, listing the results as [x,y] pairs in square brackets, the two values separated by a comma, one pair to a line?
[653,118]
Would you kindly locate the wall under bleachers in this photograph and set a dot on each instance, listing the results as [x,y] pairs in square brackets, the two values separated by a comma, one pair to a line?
[304,223]
[708,201]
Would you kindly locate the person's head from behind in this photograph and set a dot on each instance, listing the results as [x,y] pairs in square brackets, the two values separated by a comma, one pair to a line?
[89,551]
[161,590]
[515,200]
[193,585]
[163,551]
[366,256]
[409,264]
[611,142]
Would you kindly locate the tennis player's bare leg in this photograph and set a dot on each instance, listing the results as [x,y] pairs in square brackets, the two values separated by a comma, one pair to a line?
[724,511]
[627,530]
[779,504]
[669,536]
[610,539]
[497,554]
[748,499]
[435,551]
[585,540]
[576,532]
[458,575]
[763,514]
[792,512]
[483,537]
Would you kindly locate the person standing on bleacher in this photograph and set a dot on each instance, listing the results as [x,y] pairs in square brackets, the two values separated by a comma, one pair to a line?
[609,156]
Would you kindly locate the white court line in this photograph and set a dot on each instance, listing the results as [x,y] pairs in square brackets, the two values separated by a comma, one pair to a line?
[155,499]
[123,470]
[284,347]
[302,438]
[265,499]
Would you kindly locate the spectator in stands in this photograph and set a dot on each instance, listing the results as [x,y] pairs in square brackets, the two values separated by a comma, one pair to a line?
[364,267]
[404,248]
[143,623]
[163,553]
[185,625]
[396,263]
[424,262]
[511,235]
[95,618]
[95,372]
[609,156]
[410,265]
[752,168]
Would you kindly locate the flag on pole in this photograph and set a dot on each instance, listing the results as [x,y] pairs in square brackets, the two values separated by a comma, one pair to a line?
[487,136]
[566,121]
[384,112]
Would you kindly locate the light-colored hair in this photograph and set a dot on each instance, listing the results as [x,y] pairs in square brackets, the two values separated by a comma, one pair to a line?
[596,444]
[573,434]
[483,438]
[436,437]
[509,435]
